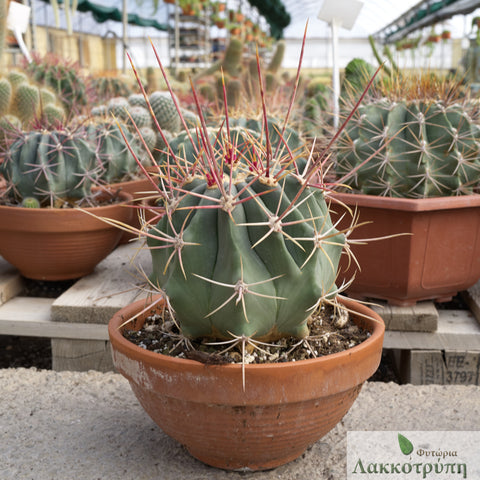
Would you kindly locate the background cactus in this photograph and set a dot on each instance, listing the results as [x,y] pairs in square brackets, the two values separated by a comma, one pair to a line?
[165,111]
[30,104]
[52,166]
[429,147]
[64,78]
[113,158]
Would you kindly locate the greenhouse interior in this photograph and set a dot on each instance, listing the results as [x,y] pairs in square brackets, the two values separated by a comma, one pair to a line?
[239,239]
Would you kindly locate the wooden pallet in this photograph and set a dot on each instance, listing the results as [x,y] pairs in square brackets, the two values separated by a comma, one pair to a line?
[446,342]
[77,320]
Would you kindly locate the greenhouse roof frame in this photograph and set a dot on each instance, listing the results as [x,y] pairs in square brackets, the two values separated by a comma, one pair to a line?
[273,11]
[424,14]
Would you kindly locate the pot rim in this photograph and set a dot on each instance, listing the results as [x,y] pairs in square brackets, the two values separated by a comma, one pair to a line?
[125,196]
[375,322]
[407,204]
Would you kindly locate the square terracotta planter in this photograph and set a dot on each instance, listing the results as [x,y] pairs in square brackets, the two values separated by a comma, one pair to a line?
[439,256]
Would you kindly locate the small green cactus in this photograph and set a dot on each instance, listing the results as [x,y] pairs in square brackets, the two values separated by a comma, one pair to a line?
[30,202]
[138,116]
[5,96]
[165,111]
[114,159]
[49,166]
[118,107]
[137,100]
[420,147]
[16,78]
[277,58]
[26,103]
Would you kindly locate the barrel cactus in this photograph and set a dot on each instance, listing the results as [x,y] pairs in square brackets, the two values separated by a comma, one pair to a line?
[246,247]
[114,160]
[165,111]
[54,167]
[420,147]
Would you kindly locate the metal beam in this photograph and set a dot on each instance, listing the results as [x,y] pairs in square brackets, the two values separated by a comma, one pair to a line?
[413,20]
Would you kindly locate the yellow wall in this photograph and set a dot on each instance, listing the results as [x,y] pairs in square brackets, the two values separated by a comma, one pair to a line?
[94,53]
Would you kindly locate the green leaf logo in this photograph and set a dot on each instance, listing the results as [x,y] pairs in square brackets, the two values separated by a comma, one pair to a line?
[405,445]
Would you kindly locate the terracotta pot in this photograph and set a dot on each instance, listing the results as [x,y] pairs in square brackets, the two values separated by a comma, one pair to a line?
[59,243]
[285,407]
[134,188]
[439,257]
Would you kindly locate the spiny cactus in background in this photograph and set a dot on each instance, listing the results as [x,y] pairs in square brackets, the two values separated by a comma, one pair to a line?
[52,166]
[315,108]
[114,160]
[117,107]
[9,126]
[259,208]
[64,78]
[16,78]
[357,75]
[29,103]
[5,96]
[99,111]
[277,58]
[138,116]
[394,70]
[26,102]
[137,100]
[230,64]
[207,91]
[430,142]
[165,111]
[3,31]
[152,83]
[149,137]
[110,87]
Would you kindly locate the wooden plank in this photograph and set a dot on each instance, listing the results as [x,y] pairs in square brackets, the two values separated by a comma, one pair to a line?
[444,367]
[114,284]
[10,281]
[422,317]
[81,355]
[30,317]
[457,330]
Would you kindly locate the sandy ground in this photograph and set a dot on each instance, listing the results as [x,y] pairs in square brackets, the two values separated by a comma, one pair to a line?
[89,426]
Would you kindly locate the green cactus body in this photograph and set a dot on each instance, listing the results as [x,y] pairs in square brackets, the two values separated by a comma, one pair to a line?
[429,149]
[26,102]
[5,96]
[117,107]
[149,136]
[49,166]
[113,156]
[277,58]
[282,268]
[53,115]
[30,202]
[165,111]
[99,111]
[137,100]
[16,78]
[139,116]
[47,97]
[234,92]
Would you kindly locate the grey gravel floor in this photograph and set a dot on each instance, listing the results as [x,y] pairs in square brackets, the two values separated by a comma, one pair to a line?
[89,426]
